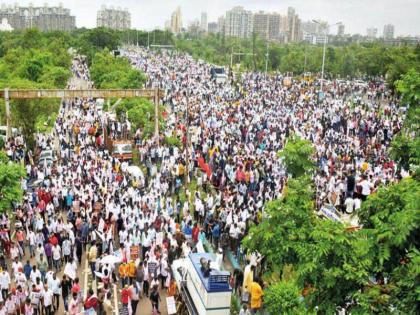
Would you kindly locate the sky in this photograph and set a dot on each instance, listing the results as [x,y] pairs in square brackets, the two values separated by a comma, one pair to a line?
[356,15]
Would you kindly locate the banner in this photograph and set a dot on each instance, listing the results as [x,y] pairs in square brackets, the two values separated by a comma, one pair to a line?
[134,252]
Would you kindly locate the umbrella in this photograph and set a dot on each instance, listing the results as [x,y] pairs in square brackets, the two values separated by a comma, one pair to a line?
[110,259]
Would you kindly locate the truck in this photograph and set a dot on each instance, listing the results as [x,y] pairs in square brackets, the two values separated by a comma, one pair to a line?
[218,74]
[118,148]
[204,289]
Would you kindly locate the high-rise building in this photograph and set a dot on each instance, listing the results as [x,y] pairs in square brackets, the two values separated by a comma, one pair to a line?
[176,21]
[167,25]
[5,26]
[371,32]
[274,26]
[116,19]
[204,24]
[221,24]
[260,24]
[238,22]
[44,18]
[267,25]
[388,32]
[213,27]
[341,28]
[294,31]
[314,28]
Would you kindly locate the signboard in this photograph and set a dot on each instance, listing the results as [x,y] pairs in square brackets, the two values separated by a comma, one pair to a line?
[152,267]
[171,305]
[134,252]
[330,212]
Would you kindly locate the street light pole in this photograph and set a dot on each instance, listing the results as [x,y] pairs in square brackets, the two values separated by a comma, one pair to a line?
[266,59]
[326,27]
[323,59]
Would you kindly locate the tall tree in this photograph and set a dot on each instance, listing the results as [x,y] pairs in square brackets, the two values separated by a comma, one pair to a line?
[10,182]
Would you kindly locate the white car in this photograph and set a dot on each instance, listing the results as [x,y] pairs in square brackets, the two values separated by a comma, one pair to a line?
[3,132]
[47,154]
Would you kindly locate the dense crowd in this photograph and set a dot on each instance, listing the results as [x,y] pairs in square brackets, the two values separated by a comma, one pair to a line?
[85,203]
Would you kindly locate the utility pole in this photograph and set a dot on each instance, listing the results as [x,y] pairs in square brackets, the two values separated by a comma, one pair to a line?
[266,59]
[8,116]
[187,142]
[326,27]
[157,115]
[148,40]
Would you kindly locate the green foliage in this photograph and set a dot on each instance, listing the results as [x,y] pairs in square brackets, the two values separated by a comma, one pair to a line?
[393,214]
[290,222]
[409,87]
[10,186]
[335,265]
[297,156]
[405,147]
[141,113]
[173,142]
[33,60]
[109,72]
[351,60]
[284,298]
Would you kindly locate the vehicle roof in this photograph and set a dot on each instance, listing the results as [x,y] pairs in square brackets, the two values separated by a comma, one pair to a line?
[134,170]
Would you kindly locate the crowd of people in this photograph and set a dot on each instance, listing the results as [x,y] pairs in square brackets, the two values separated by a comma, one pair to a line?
[86,206]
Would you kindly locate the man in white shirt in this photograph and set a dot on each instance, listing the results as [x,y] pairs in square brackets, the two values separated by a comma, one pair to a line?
[55,285]
[56,253]
[16,265]
[35,273]
[349,203]
[48,299]
[32,242]
[4,283]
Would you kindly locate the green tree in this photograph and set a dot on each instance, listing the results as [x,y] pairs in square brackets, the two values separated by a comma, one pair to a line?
[10,185]
[284,297]
[297,155]
[108,71]
[405,147]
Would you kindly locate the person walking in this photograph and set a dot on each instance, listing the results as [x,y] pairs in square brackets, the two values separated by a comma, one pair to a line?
[155,299]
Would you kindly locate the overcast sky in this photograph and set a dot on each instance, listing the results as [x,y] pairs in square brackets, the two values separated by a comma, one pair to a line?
[357,15]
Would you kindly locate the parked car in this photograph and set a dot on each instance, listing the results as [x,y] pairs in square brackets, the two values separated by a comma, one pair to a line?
[3,132]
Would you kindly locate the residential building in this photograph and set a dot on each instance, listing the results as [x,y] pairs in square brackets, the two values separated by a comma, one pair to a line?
[314,28]
[221,24]
[176,21]
[371,32]
[388,33]
[167,25]
[294,33]
[5,26]
[116,19]
[261,24]
[274,26]
[43,18]
[213,27]
[238,22]
[194,28]
[204,24]
[267,25]
[341,28]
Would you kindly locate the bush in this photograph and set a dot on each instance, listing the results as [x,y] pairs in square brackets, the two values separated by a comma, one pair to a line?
[173,142]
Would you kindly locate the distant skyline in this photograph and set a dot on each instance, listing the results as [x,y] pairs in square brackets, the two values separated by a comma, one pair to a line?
[356,15]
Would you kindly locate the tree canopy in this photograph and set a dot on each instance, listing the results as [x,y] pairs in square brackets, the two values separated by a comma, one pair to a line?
[108,72]
[10,182]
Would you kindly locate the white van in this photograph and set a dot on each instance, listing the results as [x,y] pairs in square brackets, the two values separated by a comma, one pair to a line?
[3,132]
